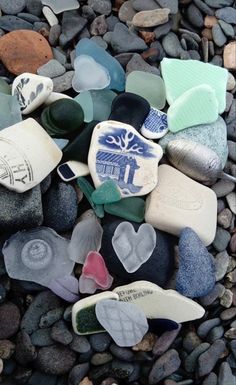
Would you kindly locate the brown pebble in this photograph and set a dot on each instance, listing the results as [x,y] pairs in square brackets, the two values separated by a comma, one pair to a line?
[148,37]
[152,18]
[210,21]
[207,32]
[7,348]
[231,333]
[24,51]
[86,381]
[147,343]
[230,56]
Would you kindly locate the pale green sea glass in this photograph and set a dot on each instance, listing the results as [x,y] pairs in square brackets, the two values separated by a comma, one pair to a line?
[181,75]
[149,86]
[10,111]
[4,87]
[195,106]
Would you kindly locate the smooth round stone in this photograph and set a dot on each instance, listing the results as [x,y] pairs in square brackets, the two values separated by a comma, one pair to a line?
[96,104]
[222,239]
[230,56]
[167,364]
[9,320]
[51,69]
[24,51]
[171,45]
[12,23]
[62,117]
[147,19]
[100,342]
[149,86]
[56,359]
[12,7]
[130,108]
[218,35]
[124,40]
[126,11]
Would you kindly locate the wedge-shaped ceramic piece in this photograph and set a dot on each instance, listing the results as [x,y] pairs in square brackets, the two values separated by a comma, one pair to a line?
[120,153]
[195,160]
[125,322]
[181,75]
[155,125]
[22,148]
[86,237]
[31,91]
[72,170]
[178,202]
[131,247]
[84,318]
[59,6]
[89,75]
[66,287]
[107,193]
[149,86]
[101,56]
[196,106]
[38,255]
[156,302]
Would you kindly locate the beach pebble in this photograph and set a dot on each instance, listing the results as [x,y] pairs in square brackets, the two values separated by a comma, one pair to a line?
[51,69]
[9,312]
[55,359]
[12,7]
[209,358]
[167,364]
[221,240]
[123,40]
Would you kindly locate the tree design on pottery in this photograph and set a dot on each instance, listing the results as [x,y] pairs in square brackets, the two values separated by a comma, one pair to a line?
[19,92]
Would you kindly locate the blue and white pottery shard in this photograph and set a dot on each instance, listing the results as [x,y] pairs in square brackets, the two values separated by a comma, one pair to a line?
[155,125]
[118,152]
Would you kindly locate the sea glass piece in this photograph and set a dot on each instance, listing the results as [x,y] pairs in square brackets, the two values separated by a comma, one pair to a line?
[54,96]
[10,110]
[84,318]
[22,146]
[88,189]
[31,91]
[196,106]
[178,202]
[125,322]
[213,135]
[130,108]
[72,170]
[118,152]
[132,209]
[155,125]
[39,255]
[86,236]
[96,104]
[89,75]
[95,268]
[108,192]
[59,6]
[181,75]
[4,87]
[195,160]
[133,248]
[156,302]
[87,285]
[66,287]
[61,143]
[117,74]
[149,86]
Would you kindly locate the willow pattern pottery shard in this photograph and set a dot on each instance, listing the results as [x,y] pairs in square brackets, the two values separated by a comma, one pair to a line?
[125,322]
[84,318]
[31,91]
[39,255]
[195,74]
[178,202]
[66,287]
[86,236]
[131,247]
[156,302]
[155,125]
[120,153]
[89,75]
[22,147]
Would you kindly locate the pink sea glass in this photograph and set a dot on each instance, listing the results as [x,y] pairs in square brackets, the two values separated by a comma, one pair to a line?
[95,268]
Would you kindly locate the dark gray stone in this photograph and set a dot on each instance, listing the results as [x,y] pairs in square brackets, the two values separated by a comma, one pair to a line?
[101,6]
[60,207]
[78,373]
[42,337]
[162,30]
[52,316]
[147,5]
[210,380]
[219,3]
[99,41]
[233,347]
[190,362]
[167,364]
[208,359]
[42,303]
[72,25]
[204,7]
[111,22]
[100,342]
[225,375]
[218,35]
[216,292]
[195,16]
[25,350]
[171,45]
[56,359]
[12,23]
[28,17]
[88,12]
[121,369]
[223,188]
[221,240]
[206,326]
[121,353]
[12,7]
[137,63]
[61,334]
[191,341]
[39,378]
[123,40]
[227,14]
[20,211]
[80,344]
[232,150]
[227,28]
[165,341]
[54,35]
[101,358]
[221,264]
[9,320]
[215,334]
[34,7]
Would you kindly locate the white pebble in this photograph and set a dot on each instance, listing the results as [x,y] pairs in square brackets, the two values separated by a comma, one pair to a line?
[50,16]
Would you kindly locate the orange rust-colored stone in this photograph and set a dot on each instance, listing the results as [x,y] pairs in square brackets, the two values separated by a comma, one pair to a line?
[148,37]
[210,21]
[207,32]
[230,56]
[24,51]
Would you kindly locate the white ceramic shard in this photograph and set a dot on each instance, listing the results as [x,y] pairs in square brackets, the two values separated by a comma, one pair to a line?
[118,152]
[38,255]
[156,302]
[59,6]
[72,170]
[89,75]
[131,247]
[22,148]
[125,322]
[86,236]
[84,319]
[31,91]
[155,125]
[178,202]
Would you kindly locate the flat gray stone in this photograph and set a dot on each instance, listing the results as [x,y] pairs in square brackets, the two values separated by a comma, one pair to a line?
[72,25]
[171,45]
[167,364]
[64,82]
[101,6]
[123,40]
[171,4]
[12,7]
[147,5]
[137,63]
[12,23]
[208,359]
[51,69]
[225,375]
[34,7]
[221,240]
[227,14]
[218,35]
